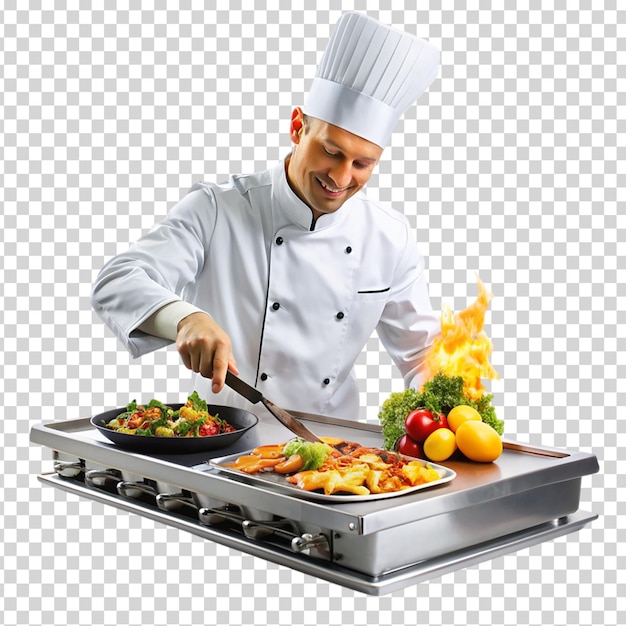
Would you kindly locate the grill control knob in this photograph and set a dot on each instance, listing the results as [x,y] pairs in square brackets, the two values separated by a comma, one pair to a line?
[305,542]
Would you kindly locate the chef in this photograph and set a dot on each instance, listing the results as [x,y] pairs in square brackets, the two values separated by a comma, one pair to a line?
[283,275]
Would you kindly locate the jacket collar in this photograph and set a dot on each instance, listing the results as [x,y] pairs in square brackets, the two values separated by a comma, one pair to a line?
[297,211]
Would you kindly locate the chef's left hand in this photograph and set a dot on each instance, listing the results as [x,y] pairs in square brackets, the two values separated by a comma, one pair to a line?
[205,347]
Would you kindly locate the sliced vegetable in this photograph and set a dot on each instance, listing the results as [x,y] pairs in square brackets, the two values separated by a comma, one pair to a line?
[293,464]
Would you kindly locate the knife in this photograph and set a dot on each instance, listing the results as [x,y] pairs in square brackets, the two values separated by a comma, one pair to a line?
[255,396]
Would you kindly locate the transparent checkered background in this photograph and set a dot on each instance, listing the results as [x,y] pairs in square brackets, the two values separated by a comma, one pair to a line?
[511,167]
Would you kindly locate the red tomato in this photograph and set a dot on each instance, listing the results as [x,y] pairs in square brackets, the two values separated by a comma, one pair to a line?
[409,446]
[208,429]
[421,422]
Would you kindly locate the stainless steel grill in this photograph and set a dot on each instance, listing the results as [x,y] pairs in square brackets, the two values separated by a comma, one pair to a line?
[530,495]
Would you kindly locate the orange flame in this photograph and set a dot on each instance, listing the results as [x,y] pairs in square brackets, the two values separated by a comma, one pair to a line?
[463,348]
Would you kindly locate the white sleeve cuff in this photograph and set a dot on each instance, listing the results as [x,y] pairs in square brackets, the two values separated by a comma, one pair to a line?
[164,323]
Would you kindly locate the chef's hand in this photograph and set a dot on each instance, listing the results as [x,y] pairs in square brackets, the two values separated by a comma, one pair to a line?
[205,348]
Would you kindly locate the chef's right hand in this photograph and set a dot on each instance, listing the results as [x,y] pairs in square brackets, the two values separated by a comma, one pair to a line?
[205,348]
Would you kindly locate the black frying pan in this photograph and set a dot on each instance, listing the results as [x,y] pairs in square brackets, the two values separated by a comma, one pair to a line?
[241,419]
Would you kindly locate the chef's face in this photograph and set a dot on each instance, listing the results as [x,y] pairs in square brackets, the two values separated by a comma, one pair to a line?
[328,165]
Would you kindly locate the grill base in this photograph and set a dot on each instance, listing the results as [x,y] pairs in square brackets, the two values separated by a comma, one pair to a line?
[531,494]
[278,552]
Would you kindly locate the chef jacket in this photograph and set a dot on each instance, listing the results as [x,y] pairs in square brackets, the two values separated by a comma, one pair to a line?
[299,298]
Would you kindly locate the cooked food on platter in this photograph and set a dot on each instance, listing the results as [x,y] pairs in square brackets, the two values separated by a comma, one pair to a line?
[336,467]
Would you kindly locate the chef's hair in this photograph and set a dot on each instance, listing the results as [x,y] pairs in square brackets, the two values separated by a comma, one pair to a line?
[306,123]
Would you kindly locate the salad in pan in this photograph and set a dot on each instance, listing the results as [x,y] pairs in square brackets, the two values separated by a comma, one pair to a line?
[156,419]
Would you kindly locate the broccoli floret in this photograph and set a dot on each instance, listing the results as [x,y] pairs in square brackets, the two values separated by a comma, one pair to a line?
[313,453]
[393,412]
[442,393]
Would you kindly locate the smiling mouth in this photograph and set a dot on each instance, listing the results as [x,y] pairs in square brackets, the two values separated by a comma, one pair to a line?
[331,190]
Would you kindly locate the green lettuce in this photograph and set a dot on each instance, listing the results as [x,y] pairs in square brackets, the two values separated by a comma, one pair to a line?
[313,453]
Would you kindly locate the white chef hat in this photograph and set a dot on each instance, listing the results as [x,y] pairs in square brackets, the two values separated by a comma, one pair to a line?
[369,75]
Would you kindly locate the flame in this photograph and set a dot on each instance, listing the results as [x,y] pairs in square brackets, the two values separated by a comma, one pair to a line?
[463,348]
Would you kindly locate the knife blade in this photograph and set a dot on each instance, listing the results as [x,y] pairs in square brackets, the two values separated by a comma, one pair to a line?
[255,396]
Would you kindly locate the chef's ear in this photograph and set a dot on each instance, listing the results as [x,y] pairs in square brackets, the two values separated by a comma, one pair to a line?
[297,125]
